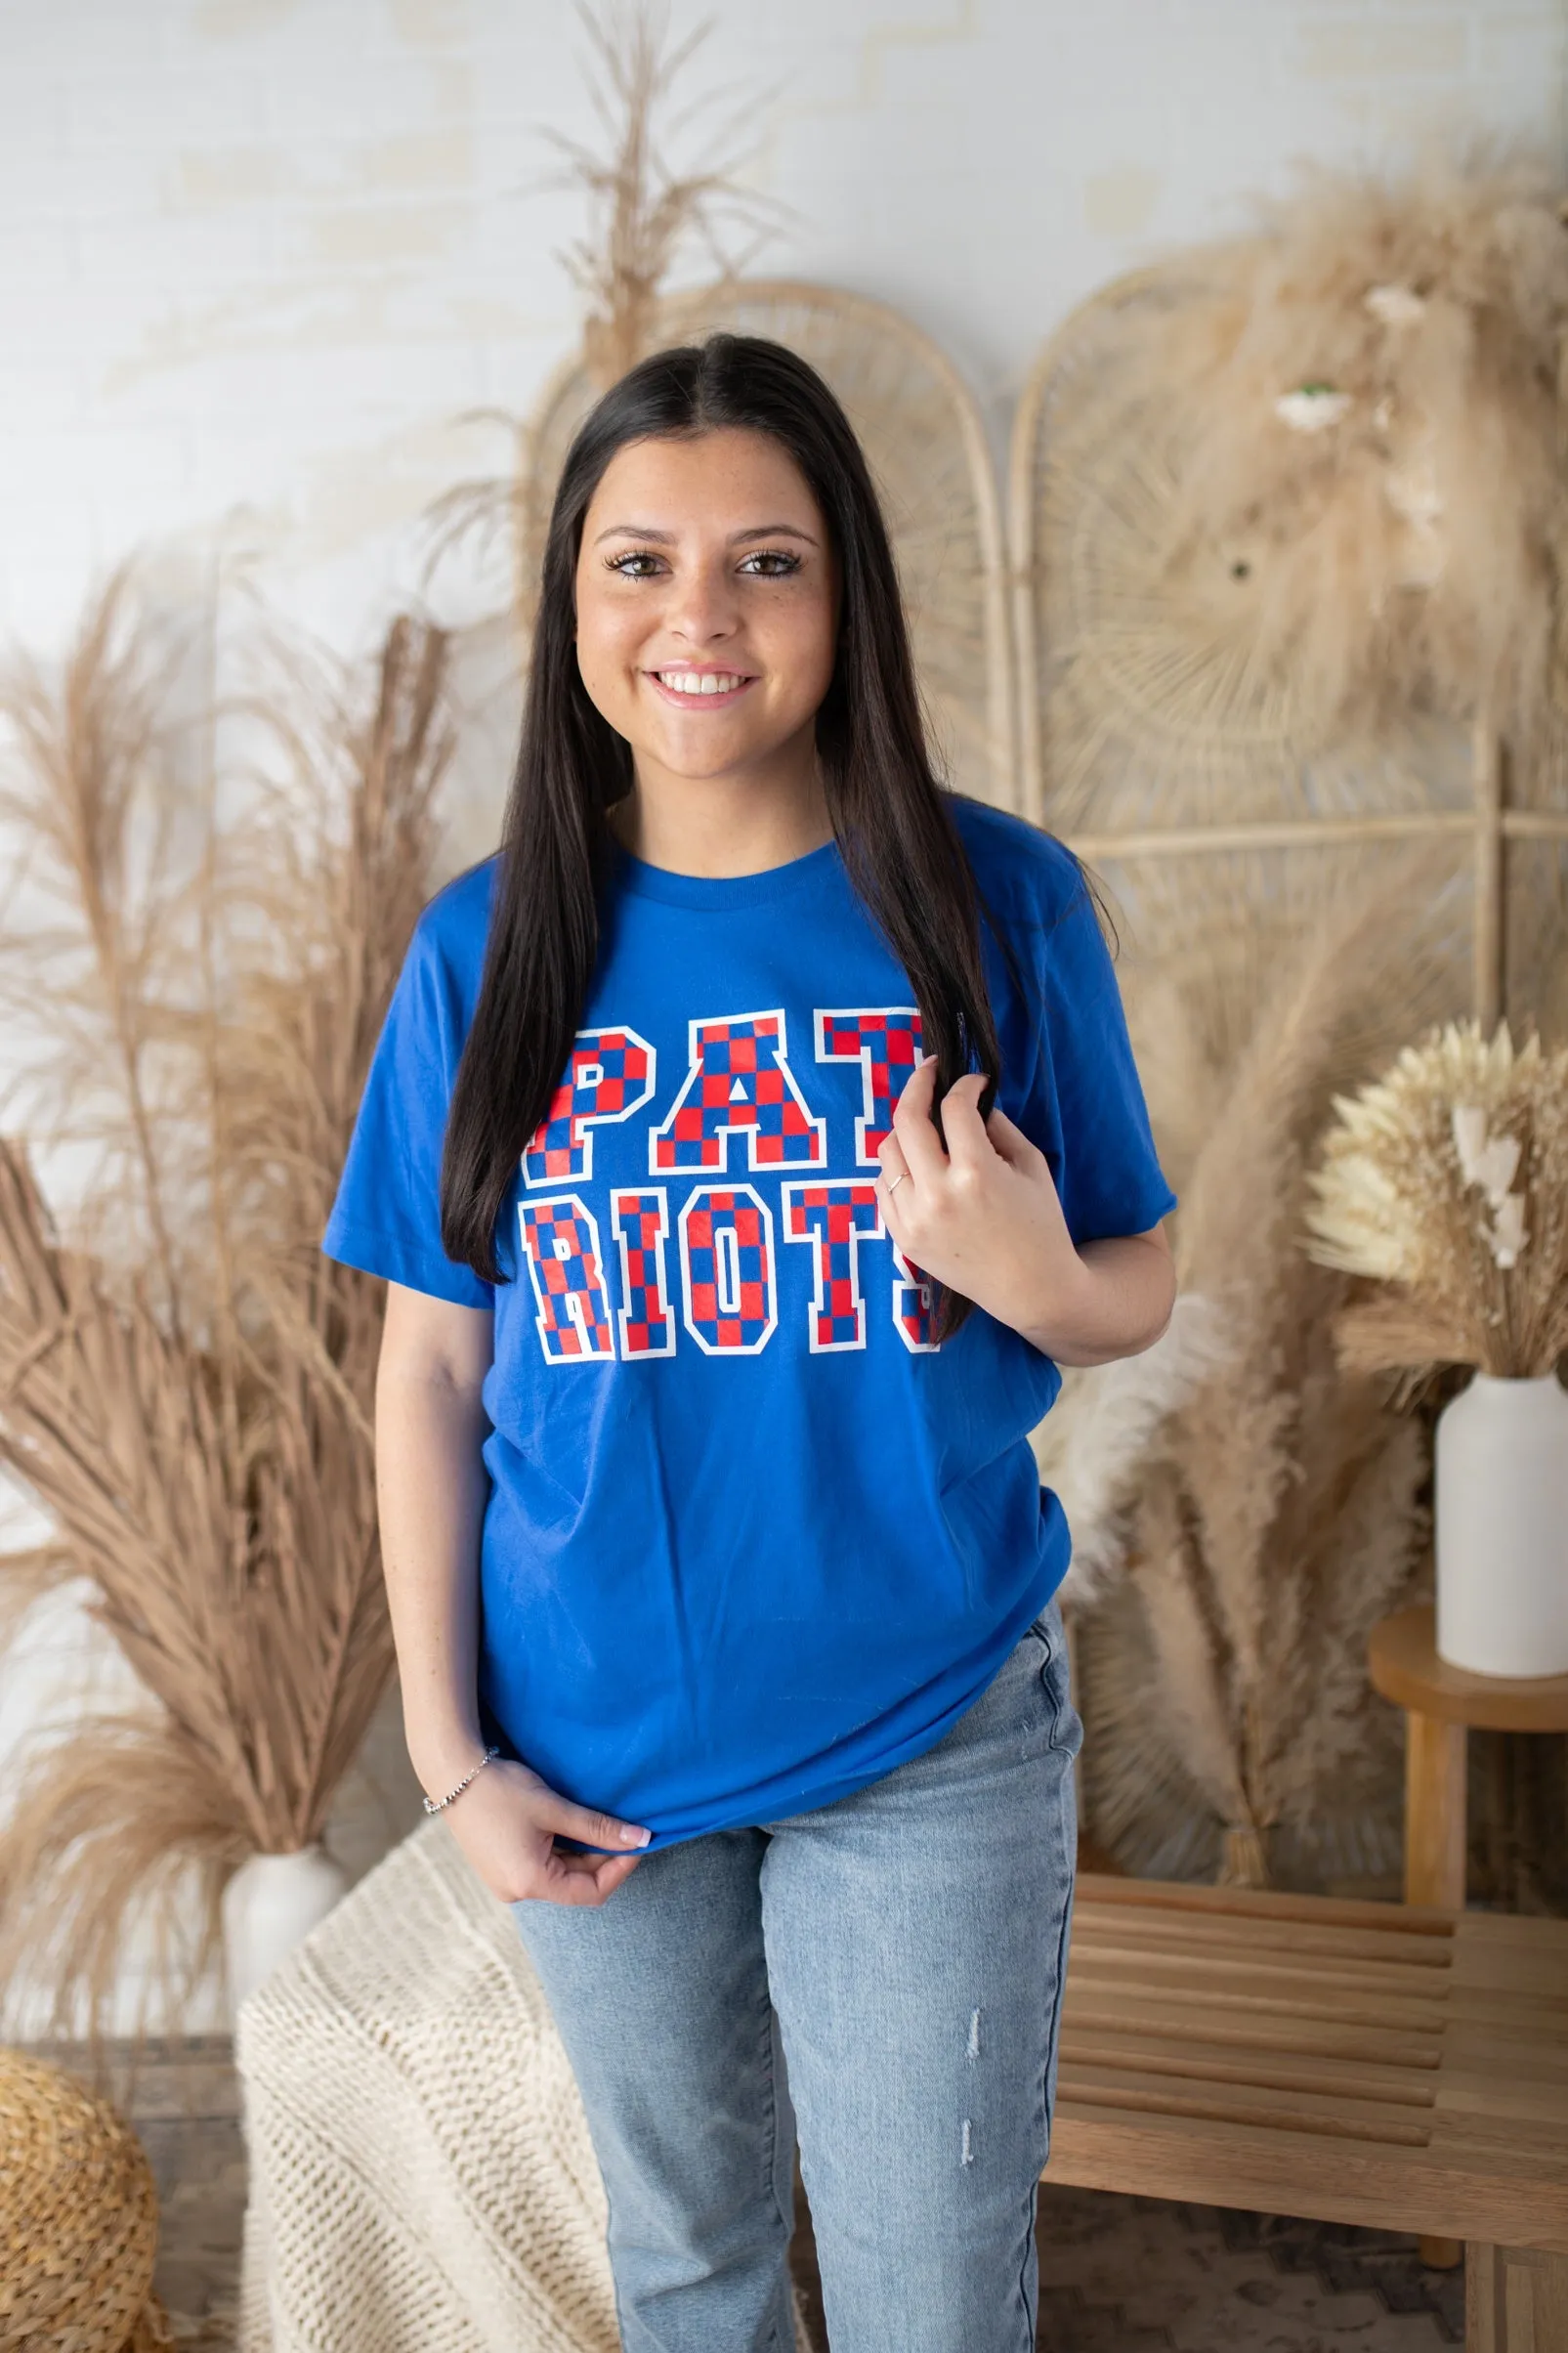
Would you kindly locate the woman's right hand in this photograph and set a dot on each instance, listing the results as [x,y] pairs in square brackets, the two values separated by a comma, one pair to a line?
[506,1823]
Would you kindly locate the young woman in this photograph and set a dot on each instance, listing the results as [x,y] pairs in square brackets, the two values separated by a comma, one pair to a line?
[747,1144]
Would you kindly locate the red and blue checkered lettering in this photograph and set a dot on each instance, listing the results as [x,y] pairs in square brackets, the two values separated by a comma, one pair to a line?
[740,1082]
[639,1223]
[885,1041]
[727,1273]
[560,1243]
[913,1305]
[832,1218]
[609,1076]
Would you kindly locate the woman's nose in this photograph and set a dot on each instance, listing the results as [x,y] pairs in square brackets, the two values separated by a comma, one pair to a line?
[702,606]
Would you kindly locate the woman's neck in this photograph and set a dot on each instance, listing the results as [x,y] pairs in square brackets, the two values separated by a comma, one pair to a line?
[721,826]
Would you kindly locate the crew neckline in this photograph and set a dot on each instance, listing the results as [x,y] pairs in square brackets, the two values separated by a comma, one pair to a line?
[720,891]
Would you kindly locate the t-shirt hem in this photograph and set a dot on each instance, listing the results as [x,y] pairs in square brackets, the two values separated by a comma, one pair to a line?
[1151,1212]
[379,1253]
[758,1811]
[1141,1217]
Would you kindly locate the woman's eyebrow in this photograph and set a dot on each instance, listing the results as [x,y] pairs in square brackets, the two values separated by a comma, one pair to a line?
[666,539]
[772,531]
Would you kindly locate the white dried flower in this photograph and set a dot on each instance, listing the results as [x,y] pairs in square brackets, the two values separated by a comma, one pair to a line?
[1507,1237]
[1491,1163]
[1310,408]
[1395,305]
[1468,1125]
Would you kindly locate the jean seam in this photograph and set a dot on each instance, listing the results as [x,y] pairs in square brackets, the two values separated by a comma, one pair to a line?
[769,2029]
[773,2031]
[1061,1699]
[1031,2324]
[1064,1709]
[615,2283]
[1070,1860]
[1043,2102]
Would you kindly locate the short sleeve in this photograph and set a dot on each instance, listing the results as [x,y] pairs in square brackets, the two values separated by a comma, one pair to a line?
[386,1219]
[1086,1095]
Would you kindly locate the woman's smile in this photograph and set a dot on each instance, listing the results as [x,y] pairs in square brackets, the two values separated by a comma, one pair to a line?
[693,689]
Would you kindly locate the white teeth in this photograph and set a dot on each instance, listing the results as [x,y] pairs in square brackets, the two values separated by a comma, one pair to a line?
[697,682]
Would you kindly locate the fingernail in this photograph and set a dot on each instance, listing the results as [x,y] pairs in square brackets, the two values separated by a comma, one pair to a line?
[635,1838]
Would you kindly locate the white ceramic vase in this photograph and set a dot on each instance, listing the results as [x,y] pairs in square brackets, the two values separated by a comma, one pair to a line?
[1502,1507]
[269,1903]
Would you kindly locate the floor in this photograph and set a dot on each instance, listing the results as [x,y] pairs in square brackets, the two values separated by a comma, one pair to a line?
[1117,2275]
[1131,2275]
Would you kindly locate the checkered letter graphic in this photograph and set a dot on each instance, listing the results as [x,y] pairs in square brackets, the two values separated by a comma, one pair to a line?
[832,1218]
[913,1305]
[728,1289]
[609,1076]
[639,1223]
[739,1081]
[885,1041]
[561,1242]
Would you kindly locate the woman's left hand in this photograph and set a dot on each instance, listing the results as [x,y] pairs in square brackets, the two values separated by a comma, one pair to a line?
[982,1217]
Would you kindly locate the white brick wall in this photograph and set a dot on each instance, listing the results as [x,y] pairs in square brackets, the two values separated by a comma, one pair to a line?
[258,256]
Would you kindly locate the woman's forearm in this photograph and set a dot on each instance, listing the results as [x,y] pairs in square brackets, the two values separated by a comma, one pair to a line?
[1118,1307]
[431,1485]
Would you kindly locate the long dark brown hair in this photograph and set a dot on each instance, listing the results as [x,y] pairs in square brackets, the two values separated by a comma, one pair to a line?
[889,813]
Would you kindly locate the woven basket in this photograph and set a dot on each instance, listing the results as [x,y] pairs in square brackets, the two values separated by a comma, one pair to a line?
[78,2221]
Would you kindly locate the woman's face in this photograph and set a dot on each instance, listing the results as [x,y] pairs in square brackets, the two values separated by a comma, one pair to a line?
[707,604]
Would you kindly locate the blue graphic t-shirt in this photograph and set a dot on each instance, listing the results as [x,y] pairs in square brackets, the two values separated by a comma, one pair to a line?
[751,1539]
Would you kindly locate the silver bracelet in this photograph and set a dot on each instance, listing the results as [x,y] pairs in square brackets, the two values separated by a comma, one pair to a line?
[434,1805]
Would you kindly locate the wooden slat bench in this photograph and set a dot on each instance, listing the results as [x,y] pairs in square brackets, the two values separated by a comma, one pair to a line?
[1364,2063]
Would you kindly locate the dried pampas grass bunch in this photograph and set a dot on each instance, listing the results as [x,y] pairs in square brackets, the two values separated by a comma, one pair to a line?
[185,1381]
[642,215]
[1294,507]
[1371,504]
[1274,1512]
[1445,1185]
[1092,1445]
[642,211]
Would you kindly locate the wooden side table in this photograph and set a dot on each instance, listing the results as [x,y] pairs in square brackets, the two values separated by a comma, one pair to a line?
[1441,1703]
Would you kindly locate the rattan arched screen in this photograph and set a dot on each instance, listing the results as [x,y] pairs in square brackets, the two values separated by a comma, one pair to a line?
[1149,732]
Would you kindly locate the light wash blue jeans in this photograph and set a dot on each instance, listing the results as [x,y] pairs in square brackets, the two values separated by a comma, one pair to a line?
[904,1949]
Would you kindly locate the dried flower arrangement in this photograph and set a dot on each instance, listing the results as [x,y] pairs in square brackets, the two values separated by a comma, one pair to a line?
[1273,1512]
[185,1382]
[1444,1182]
[1319,475]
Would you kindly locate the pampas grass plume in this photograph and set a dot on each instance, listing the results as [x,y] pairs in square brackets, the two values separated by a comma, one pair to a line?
[185,1381]
[1095,1441]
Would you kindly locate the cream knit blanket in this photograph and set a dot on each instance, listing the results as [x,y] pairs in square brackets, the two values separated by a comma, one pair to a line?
[421,2177]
